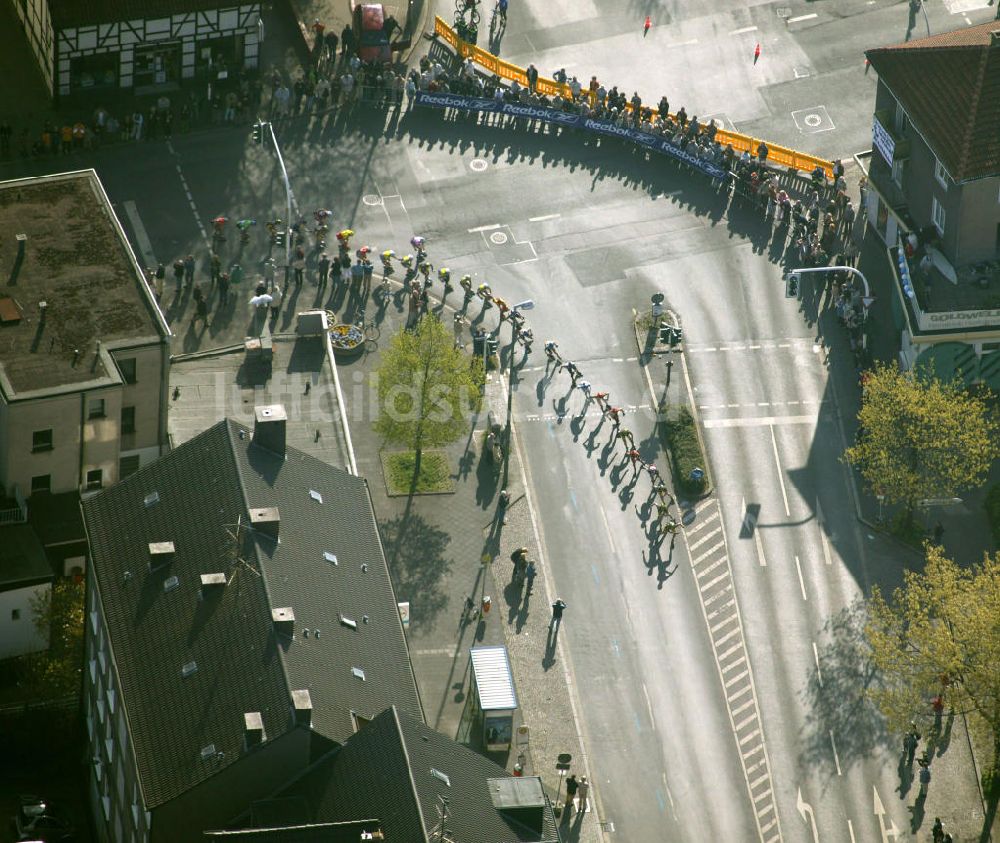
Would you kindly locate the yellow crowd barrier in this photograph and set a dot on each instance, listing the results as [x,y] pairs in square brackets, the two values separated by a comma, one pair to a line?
[505,70]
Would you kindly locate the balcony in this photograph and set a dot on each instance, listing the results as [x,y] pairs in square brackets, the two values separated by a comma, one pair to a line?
[13,510]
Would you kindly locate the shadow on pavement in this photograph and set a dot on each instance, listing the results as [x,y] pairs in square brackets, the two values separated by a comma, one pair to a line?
[415,550]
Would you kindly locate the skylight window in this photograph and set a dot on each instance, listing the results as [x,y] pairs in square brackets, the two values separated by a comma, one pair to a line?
[316,496]
[208,751]
[188,669]
[151,499]
[330,557]
[170,583]
[346,621]
[441,776]
[359,673]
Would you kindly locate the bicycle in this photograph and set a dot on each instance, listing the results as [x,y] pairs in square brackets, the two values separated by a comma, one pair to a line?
[463,6]
[499,14]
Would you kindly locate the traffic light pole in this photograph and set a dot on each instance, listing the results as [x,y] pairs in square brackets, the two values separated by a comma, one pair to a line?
[288,201]
[849,269]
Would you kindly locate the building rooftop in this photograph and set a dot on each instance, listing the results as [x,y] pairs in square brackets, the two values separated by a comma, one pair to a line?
[22,558]
[307,619]
[398,770]
[949,85]
[66,13]
[77,261]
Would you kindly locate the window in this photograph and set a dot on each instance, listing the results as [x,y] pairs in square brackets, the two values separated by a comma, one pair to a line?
[95,409]
[937,215]
[127,466]
[128,419]
[897,173]
[940,173]
[41,483]
[127,368]
[41,440]
[95,478]
[15,614]
[899,123]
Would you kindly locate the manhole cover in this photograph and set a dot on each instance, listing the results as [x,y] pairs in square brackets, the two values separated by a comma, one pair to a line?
[498,237]
[478,164]
[371,199]
[809,121]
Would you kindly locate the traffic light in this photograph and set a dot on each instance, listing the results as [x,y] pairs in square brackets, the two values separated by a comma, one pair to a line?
[258,132]
[671,335]
[279,237]
[791,285]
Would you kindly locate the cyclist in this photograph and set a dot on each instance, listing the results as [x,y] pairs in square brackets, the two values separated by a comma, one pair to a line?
[501,10]
[466,282]
[444,274]
[485,292]
[418,243]
[387,257]
[426,267]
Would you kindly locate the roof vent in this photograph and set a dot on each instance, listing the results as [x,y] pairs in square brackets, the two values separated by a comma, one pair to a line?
[316,496]
[152,499]
[170,583]
[269,428]
[358,673]
[284,620]
[208,752]
[266,520]
[330,557]
[188,669]
[302,703]
[346,621]
[160,553]
[253,725]
[212,581]
[441,776]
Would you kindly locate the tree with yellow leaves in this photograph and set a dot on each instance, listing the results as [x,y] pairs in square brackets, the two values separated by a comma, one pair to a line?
[938,637]
[921,438]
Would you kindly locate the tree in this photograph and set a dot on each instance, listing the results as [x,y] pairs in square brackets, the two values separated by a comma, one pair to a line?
[59,615]
[921,438]
[939,635]
[426,388]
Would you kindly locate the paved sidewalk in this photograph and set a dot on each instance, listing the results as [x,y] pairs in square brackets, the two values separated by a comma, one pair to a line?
[435,545]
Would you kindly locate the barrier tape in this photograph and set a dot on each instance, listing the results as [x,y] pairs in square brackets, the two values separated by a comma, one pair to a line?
[777,154]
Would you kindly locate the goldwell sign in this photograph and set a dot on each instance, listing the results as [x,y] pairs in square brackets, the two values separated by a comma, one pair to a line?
[960,319]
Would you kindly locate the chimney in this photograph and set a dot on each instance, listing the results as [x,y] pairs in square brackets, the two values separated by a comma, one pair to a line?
[284,620]
[269,428]
[212,584]
[302,703]
[266,520]
[253,725]
[160,553]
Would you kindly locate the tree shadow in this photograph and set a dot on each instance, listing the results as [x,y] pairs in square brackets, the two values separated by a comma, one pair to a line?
[415,551]
[835,697]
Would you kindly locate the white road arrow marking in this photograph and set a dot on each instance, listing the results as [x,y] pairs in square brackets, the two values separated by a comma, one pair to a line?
[805,809]
[893,830]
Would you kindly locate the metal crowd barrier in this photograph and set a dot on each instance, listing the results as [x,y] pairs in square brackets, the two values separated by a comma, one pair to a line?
[783,155]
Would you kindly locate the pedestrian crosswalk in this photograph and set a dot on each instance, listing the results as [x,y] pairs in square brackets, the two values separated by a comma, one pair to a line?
[706,544]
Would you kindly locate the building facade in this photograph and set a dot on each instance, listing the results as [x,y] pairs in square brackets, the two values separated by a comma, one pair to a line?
[151,45]
[934,197]
[35,23]
[25,579]
[85,363]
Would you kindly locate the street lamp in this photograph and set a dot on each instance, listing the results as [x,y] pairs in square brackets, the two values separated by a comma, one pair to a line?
[527,304]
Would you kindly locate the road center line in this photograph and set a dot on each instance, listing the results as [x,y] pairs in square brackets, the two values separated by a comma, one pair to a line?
[745,29]
[819,673]
[802,584]
[803,17]
[544,217]
[836,757]
[484,228]
[777,462]
[759,421]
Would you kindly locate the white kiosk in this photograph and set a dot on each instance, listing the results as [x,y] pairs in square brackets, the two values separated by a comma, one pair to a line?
[493,684]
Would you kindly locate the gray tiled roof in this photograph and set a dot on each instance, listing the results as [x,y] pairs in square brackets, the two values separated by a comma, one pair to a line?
[204,488]
[385,771]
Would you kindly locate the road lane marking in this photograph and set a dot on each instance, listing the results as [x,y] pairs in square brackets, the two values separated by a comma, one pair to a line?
[760,421]
[744,30]
[821,523]
[484,228]
[708,552]
[819,673]
[544,217]
[761,559]
[802,584]
[781,479]
[800,18]
[836,757]
[850,829]
[649,706]
[611,540]
[705,538]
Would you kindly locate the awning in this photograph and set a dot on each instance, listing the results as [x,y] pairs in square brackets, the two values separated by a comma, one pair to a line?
[494,681]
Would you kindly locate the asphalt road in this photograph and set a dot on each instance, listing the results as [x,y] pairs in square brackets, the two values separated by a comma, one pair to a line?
[809,90]
[703,709]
